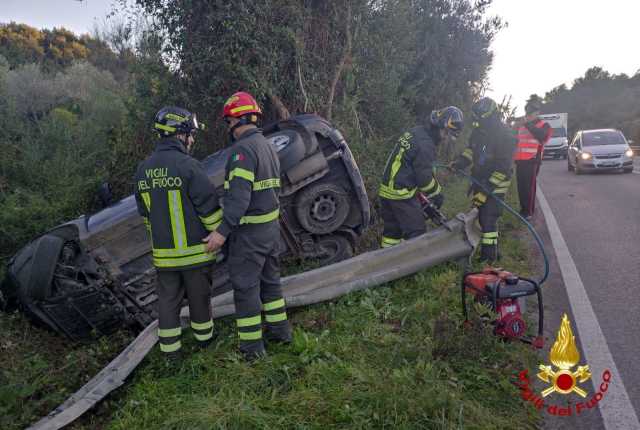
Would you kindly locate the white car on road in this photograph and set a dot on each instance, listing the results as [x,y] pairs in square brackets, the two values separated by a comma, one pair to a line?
[604,149]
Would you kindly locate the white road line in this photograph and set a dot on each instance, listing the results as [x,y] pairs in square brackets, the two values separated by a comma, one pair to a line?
[615,407]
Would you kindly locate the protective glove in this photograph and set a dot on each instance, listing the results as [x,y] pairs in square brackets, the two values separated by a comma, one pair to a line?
[437,200]
[479,199]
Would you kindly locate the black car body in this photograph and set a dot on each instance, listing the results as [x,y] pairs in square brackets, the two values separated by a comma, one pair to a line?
[94,274]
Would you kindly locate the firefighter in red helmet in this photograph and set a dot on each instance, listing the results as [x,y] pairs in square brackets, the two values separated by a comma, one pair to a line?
[250,226]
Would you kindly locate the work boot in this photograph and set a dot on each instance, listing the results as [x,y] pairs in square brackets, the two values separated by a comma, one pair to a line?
[279,332]
[252,350]
[173,359]
[489,253]
[205,343]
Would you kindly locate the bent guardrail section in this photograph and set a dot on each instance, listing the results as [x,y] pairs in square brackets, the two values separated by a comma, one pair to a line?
[456,240]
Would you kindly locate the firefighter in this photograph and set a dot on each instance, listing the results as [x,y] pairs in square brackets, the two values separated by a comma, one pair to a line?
[532,135]
[179,207]
[410,171]
[490,153]
[251,226]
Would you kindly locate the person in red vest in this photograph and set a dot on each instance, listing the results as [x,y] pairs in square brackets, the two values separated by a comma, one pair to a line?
[532,134]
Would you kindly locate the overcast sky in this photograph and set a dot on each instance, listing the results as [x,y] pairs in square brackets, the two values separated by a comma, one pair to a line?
[547,42]
[550,42]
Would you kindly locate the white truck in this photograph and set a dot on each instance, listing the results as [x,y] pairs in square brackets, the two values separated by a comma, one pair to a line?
[557,146]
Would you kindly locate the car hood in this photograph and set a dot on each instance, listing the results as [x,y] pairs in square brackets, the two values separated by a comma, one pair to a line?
[606,149]
[557,141]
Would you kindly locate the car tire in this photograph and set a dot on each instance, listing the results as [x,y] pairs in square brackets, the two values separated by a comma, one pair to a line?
[45,258]
[569,166]
[628,170]
[334,248]
[577,169]
[322,208]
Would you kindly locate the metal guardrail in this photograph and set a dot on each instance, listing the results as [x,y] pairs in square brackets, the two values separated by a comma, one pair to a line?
[456,240]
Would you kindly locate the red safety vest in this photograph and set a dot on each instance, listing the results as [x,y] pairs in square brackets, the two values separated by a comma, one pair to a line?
[528,146]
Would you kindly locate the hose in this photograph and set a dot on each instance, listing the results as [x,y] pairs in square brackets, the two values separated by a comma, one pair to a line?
[512,211]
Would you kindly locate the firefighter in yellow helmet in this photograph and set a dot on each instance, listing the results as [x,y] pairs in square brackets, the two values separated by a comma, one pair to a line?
[179,206]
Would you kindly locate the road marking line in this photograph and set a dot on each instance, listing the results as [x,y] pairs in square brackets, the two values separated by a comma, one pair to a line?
[616,409]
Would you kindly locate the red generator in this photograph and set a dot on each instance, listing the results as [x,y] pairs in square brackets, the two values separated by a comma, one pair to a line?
[500,290]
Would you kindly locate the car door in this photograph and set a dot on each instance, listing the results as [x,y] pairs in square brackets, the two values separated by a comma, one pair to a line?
[573,150]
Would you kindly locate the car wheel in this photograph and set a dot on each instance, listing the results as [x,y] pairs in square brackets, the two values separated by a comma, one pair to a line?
[577,169]
[334,248]
[569,166]
[628,170]
[322,208]
[45,258]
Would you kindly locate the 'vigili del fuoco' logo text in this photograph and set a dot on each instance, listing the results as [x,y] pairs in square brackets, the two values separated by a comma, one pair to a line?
[561,377]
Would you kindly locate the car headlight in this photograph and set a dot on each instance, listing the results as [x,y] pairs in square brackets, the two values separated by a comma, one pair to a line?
[585,155]
[629,153]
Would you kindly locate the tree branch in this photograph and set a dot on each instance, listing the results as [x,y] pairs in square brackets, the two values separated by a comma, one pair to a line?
[346,54]
[281,109]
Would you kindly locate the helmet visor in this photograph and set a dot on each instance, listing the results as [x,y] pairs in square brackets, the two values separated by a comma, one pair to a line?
[196,125]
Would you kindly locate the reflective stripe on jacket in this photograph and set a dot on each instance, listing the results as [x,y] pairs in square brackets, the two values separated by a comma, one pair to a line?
[410,167]
[179,206]
[252,183]
[529,145]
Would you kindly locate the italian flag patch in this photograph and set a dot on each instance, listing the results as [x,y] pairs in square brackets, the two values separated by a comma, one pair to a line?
[237,157]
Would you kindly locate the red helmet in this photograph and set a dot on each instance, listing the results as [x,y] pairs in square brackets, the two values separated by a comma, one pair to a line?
[241,104]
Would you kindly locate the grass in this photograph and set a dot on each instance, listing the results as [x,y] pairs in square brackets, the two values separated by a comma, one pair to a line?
[390,357]
[39,370]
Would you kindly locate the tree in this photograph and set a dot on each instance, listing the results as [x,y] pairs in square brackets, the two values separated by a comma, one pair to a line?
[599,100]
[374,62]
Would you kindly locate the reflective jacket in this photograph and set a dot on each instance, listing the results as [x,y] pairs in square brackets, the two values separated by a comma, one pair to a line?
[178,204]
[531,136]
[252,183]
[410,167]
[490,152]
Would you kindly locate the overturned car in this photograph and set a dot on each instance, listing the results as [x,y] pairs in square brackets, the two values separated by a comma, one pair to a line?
[94,274]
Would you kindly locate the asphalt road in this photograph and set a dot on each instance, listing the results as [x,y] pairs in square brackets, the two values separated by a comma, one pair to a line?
[599,218]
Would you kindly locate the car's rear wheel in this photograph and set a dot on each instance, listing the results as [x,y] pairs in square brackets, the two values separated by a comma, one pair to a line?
[322,208]
[334,248]
[45,258]
[628,170]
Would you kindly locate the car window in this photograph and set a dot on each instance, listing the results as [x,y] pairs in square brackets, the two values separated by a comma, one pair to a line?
[559,132]
[602,138]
